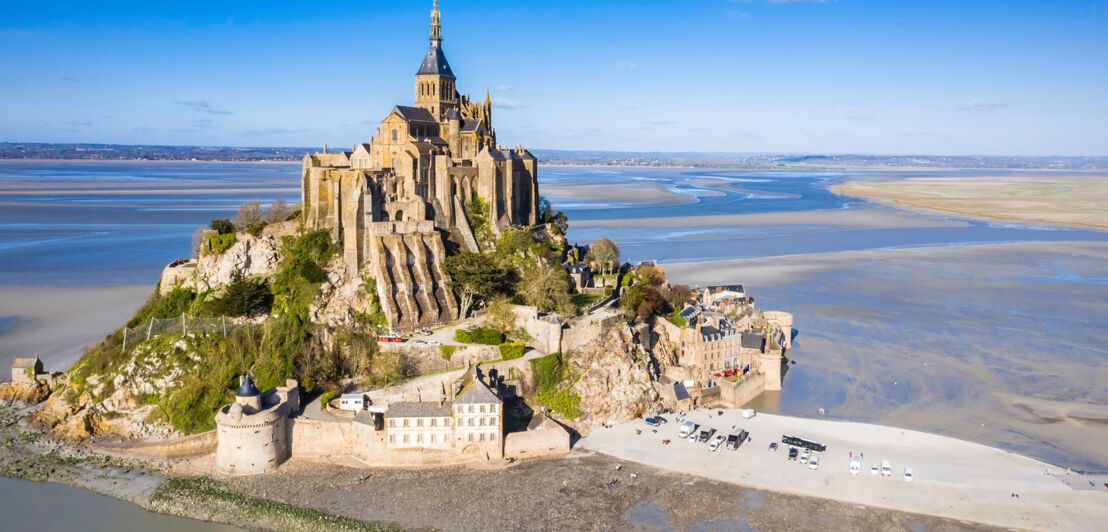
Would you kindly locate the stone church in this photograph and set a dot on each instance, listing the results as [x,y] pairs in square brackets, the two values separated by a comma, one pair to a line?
[399,202]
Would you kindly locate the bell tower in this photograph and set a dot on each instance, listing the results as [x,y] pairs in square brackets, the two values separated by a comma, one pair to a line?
[434,83]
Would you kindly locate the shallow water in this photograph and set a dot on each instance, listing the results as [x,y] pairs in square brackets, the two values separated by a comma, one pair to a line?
[48,507]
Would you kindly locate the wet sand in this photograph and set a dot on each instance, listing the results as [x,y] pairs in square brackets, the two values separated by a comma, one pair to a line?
[582,491]
[1066,201]
[856,217]
[1000,344]
[640,192]
[57,323]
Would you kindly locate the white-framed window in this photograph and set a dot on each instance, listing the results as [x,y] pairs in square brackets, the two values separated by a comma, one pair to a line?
[392,438]
[406,438]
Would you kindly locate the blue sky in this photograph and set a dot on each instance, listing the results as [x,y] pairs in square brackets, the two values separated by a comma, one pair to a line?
[935,77]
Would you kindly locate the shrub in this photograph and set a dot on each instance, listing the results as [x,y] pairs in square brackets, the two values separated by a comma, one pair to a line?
[511,350]
[219,243]
[549,371]
[326,398]
[478,335]
[448,351]
[677,320]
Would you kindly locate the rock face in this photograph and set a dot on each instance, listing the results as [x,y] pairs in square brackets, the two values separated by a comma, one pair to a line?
[614,374]
[22,394]
[250,254]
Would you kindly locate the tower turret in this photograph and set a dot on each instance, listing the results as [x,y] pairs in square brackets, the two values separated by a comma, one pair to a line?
[435,90]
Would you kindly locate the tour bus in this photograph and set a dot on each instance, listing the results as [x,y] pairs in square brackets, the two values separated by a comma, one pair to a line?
[801,442]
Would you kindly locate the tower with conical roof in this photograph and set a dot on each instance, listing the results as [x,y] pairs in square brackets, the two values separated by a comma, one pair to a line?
[434,86]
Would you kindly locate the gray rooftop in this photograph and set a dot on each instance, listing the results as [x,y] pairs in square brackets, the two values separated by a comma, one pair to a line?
[477,393]
[413,114]
[418,409]
[434,63]
[753,341]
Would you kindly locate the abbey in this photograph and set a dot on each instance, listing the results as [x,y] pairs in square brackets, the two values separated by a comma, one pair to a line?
[399,200]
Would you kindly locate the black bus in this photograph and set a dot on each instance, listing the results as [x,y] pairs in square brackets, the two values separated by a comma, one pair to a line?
[801,442]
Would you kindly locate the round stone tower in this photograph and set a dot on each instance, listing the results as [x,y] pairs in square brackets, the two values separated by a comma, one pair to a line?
[252,431]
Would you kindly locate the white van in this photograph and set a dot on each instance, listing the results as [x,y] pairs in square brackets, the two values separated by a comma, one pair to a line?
[716,443]
[908,474]
[886,469]
[855,465]
[813,462]
[749,413]
[687,428]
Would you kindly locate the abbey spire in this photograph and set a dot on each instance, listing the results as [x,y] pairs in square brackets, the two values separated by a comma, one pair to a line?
[436,27]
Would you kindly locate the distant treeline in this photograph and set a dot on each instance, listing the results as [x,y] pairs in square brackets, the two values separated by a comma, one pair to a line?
[116,152]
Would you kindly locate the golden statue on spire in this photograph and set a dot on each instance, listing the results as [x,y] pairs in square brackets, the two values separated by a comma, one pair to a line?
[436,28]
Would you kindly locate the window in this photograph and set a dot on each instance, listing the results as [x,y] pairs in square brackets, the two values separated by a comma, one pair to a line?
[492,422]
[392,438]
[432,438]
[395,135]
[482,409]
[405,422]
[419,422]
[470,436]
[482,422]
[405,438]
[434,422]
[419,438]
[482,436]
[392,423]
[492,436]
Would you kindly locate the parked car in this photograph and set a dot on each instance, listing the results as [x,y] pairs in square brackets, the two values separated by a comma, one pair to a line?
[426,332]
[716,443]
[693,437]
[652,422]
[886,469]
[908,474]
[773,446]
[873,470]
[793,453]
[813,463]
[749,413]
[804,456]
[417,341]
[855,465]
[435,343]
[385,338]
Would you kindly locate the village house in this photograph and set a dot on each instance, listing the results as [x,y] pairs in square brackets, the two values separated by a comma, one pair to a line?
[26,370]
[472,420]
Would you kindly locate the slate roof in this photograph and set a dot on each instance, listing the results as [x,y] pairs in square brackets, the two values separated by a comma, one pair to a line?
[247,388]
[418,409]
[434,63]
[753,341]
[414,114]
[470,125]
[476,393]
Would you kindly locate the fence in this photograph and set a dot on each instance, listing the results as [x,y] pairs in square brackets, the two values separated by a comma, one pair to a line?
[183,324]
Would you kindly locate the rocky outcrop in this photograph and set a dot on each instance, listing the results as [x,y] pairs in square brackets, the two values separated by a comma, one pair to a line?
[22,394]
[613,373]
[250,254]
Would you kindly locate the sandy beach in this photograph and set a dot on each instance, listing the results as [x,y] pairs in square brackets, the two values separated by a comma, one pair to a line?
[952,478]
[58,322]
[1067,201]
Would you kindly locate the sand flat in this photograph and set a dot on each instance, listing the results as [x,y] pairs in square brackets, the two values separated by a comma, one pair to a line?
[1067,201]
[952,478]
[858,217]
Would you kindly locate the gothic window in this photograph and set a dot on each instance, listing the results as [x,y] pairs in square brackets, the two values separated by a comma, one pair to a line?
[395,135]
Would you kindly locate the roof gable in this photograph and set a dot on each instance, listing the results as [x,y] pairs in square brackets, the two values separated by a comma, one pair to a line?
[476,393]
[413,114]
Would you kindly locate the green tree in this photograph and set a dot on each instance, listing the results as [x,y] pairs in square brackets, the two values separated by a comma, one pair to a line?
[603,255]
[546,287]
[561,222]
[473,276]
[222,225]
[243,296]
[651,276]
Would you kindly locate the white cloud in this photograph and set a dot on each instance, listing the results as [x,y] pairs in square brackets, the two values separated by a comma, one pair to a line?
[505,103]
[977,104]
[203,106]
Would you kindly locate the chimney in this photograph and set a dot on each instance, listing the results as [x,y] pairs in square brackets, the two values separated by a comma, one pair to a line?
[324,149]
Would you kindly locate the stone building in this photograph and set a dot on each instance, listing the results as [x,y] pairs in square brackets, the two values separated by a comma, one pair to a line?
[253,432]
[399,198]
[26,370]
[471,422]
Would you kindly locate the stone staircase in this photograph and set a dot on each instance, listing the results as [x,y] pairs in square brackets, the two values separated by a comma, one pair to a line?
[411,282]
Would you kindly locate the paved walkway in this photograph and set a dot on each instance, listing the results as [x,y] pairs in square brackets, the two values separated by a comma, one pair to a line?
[952,478]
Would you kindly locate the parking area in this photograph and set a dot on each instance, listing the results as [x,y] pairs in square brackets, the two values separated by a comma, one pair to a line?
[952,478]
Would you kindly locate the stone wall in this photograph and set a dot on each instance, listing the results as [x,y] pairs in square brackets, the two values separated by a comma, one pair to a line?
[173,276]
[421,359]
[545,332]
[411,282]
[185,447]
[737,394]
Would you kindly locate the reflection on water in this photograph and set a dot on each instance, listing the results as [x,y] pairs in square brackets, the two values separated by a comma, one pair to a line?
[48,507]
